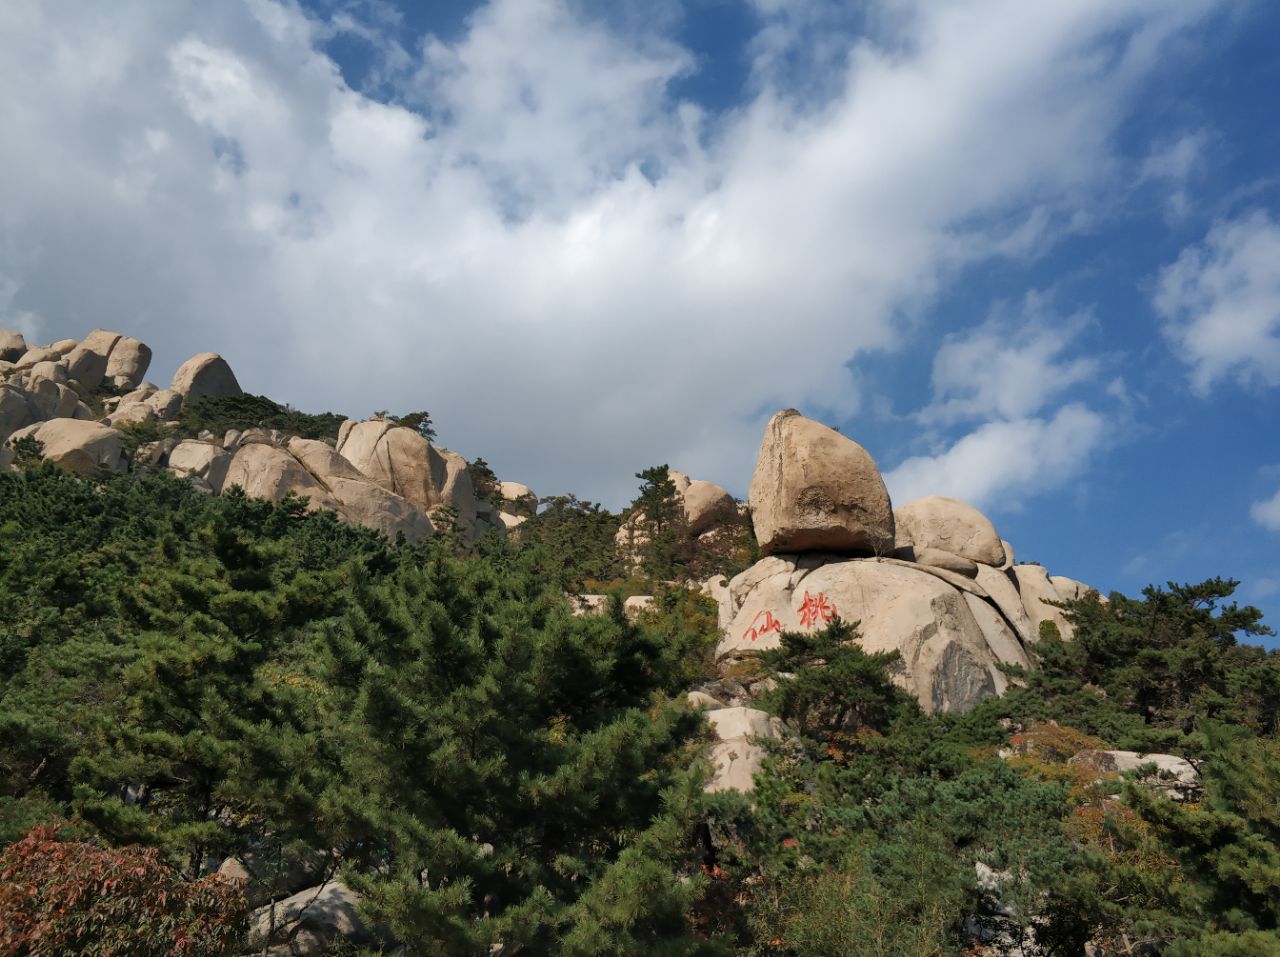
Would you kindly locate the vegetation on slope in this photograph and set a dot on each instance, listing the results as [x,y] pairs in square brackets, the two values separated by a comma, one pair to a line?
[209,677]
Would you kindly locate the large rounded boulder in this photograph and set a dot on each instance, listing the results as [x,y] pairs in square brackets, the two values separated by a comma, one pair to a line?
[13,345]
[707,505]
[77,445]
[128,362]
[816,490]
[949,525]
[205,374]
[87,362]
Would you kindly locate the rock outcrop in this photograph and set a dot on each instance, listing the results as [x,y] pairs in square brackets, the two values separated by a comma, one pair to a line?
[128,363]
[939,524]
[1037,591]
[816,490]
[737,753]
[77,445]
[311,921]
[429,476]
[1175,776]
[203,463]
[264,471]
[205,374]
[950,602]
[949,658]
[13,345]
[87,362]
[707,511]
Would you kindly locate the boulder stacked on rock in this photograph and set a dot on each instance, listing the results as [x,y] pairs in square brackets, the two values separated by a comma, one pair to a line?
[815,490]
[932,581]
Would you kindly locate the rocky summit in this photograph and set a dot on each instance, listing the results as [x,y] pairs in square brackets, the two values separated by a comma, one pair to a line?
[295,683]
[930,580]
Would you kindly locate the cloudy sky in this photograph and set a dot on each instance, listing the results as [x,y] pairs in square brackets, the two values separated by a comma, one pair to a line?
[1028,254]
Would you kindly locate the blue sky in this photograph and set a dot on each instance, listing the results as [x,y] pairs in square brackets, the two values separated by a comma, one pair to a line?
[1028,255]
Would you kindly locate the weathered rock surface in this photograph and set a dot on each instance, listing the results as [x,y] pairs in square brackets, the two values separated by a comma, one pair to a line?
[946,560]
[588,604]
[200,460]
[736,756]
[78,446]
[519,498]
[701,701]
[1001,639]
[706,505]
[1174,775]
[311,921]
[1004,593]
[963,582]
[364,503]
[949,525]
[816,490]
[13,345]
[511,522]
[450,481]
[392,456]
[166,403]
[14,410]
[1068,589]
[205,374]
[402,461]
[133,412]
[948,657]
[1036,592]
[37,354]
[53,371]
[87,362]
[264,471]
[320,459]
[128,362]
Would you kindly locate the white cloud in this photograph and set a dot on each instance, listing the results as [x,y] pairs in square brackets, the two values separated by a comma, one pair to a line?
[575,274]
[1221,303]
[1001,463]
[1267,512]
[1009,367]
[1171,165]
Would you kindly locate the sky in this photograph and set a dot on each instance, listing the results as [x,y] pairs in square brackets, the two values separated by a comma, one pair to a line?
[1028,255]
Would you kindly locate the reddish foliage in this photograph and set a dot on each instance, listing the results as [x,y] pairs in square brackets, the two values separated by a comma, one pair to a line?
[69,897]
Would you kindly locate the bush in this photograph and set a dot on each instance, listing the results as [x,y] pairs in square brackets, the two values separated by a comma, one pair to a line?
[220,414]
[64,897]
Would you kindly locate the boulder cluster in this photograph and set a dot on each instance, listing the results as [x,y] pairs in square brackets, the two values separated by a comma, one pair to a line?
[74,398]
[931,580]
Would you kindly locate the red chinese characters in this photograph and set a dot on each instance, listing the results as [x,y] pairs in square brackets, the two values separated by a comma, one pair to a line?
[816,609]
[762,624]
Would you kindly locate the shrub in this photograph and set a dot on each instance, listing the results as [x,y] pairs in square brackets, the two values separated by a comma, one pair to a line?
[64,897]
[219,414]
